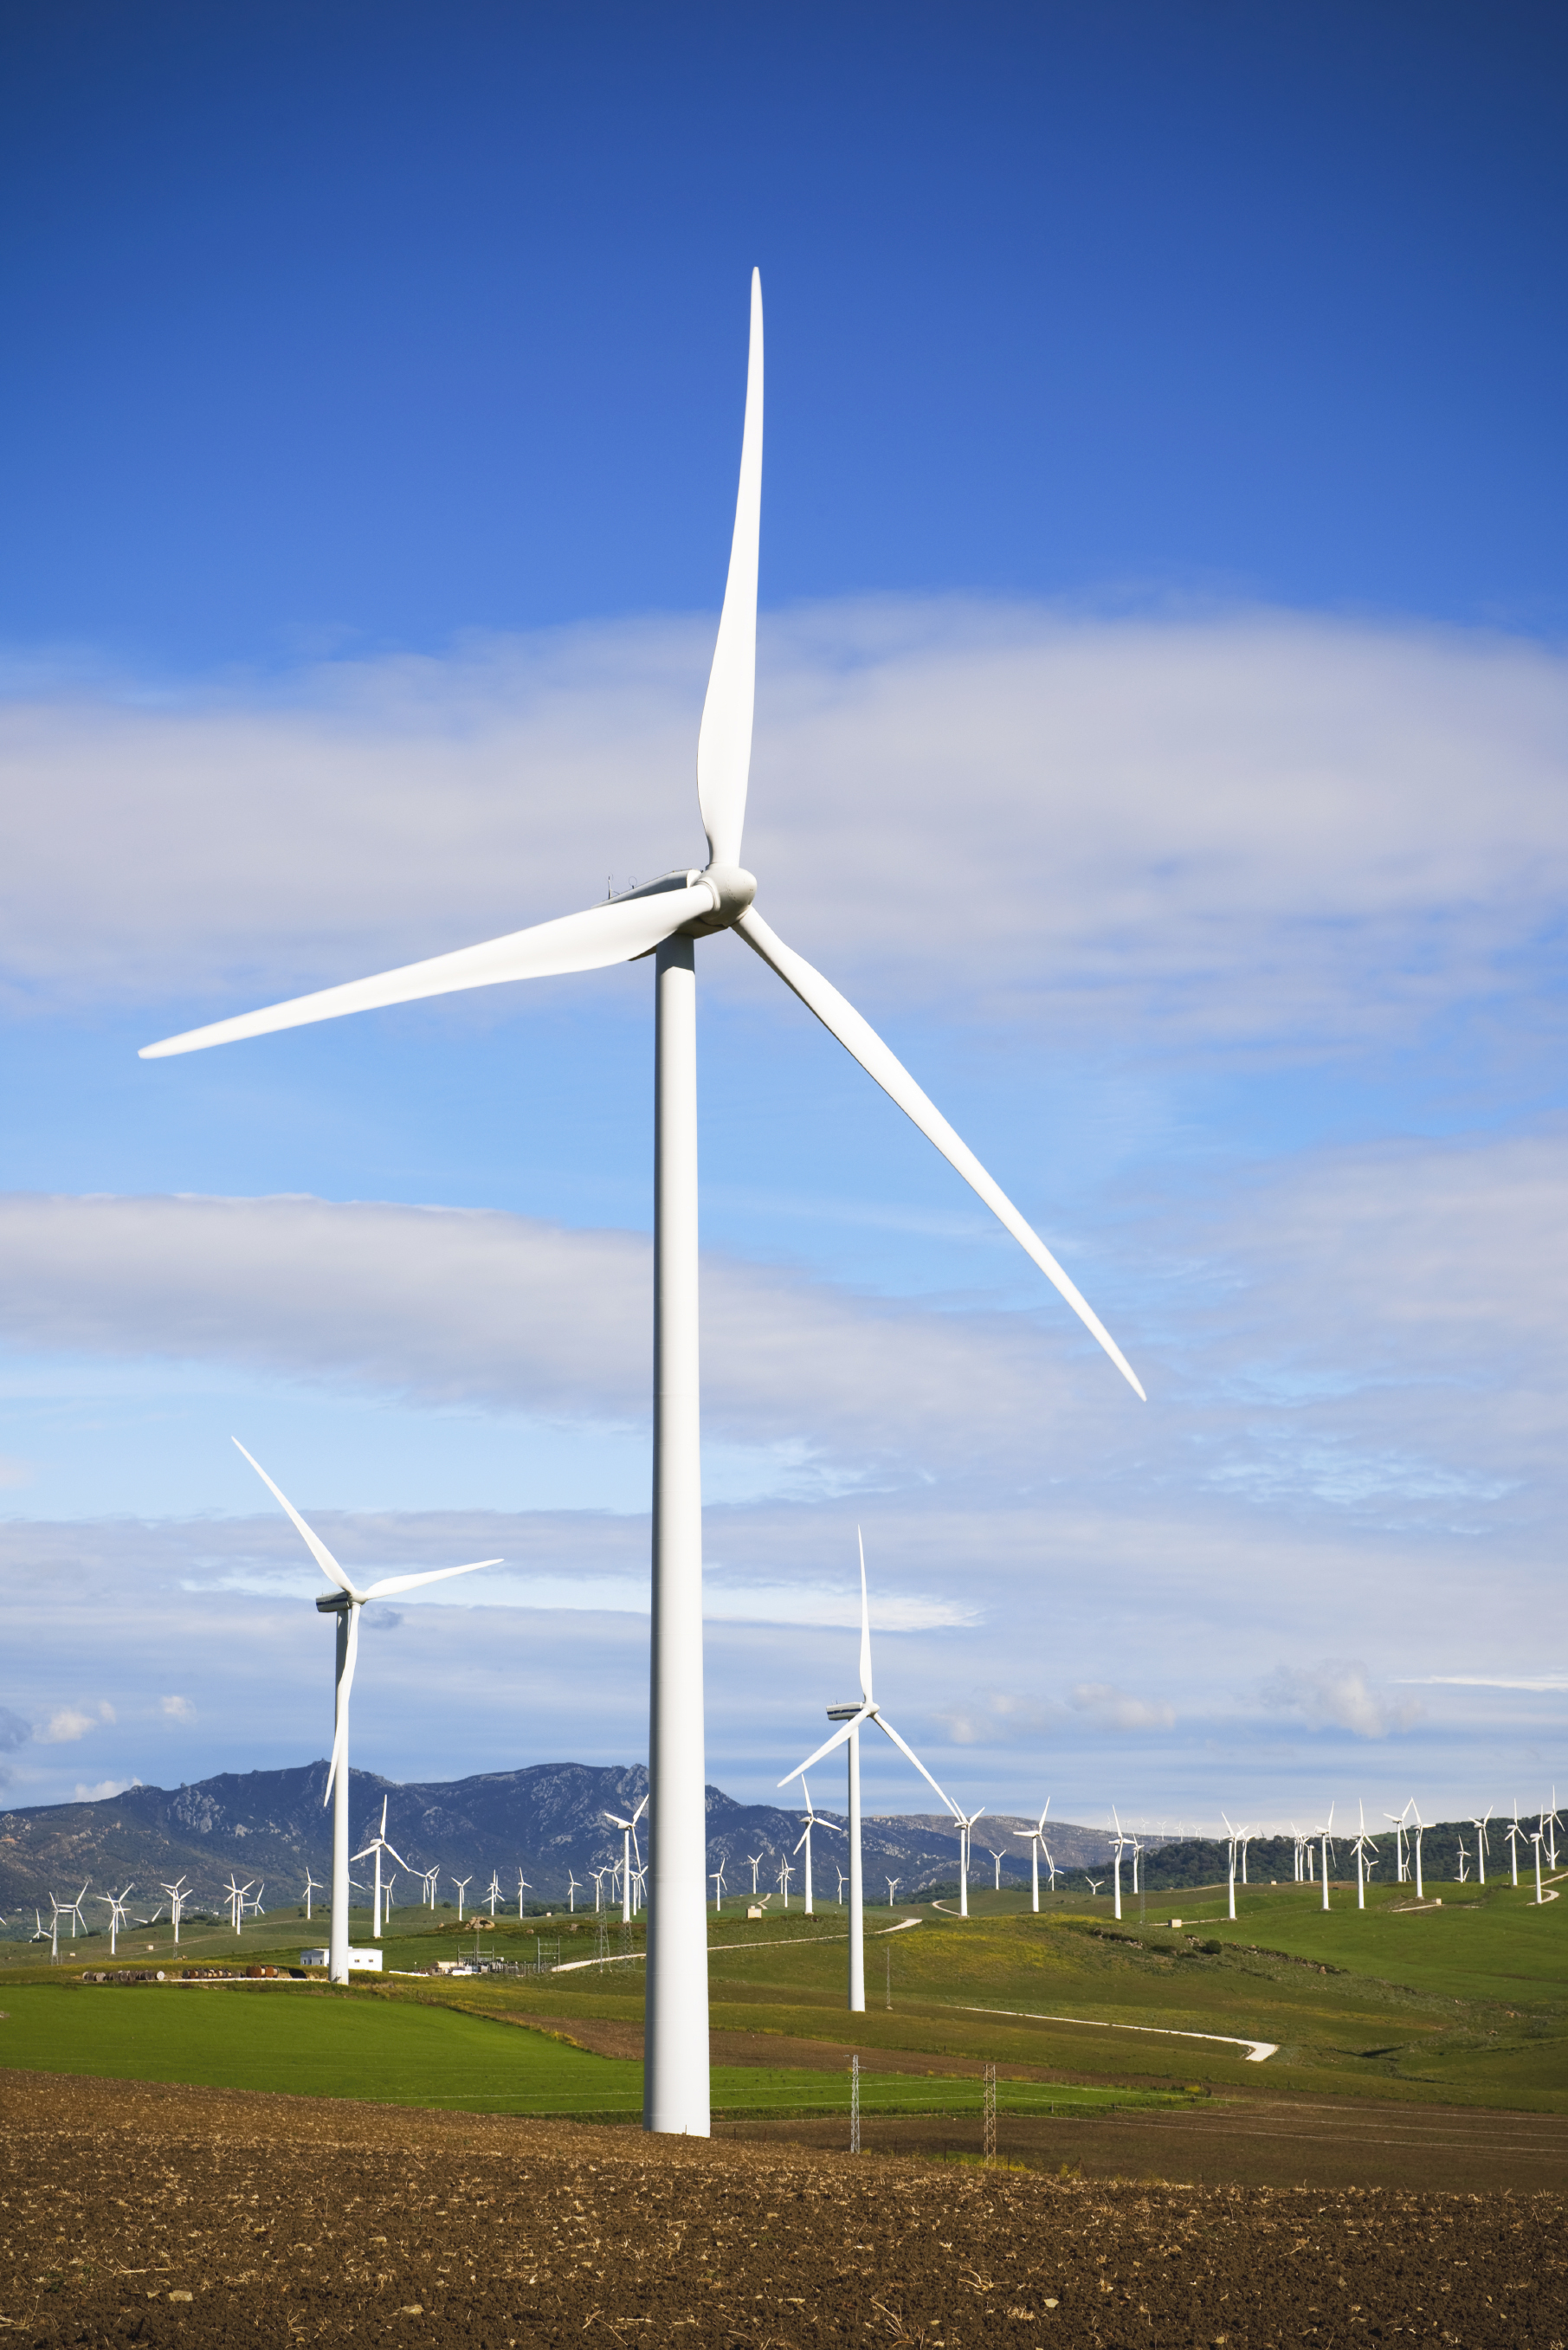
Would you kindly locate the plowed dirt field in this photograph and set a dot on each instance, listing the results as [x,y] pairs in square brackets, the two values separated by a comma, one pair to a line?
[166,2216]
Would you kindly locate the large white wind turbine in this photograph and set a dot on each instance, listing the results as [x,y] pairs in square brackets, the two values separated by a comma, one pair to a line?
[850,1719]
[665,917]
[345,1603]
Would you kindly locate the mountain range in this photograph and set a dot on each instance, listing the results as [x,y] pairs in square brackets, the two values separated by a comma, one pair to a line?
[546,1822]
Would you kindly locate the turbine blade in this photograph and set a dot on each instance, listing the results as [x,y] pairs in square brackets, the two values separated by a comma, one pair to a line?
[319,1550]
[865,1624]
[615,932]
[391,1583]
[340,1728]
[885,1726]
[725,738]
[860,1040]
[837,1739]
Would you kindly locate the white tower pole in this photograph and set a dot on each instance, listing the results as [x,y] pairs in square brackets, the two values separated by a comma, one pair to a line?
[856,1907]
[1323,1848]
[1035,1871]
[809,1910]
[337,1932]
[676,2094]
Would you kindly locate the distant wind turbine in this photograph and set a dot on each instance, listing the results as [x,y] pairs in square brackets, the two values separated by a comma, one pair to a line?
[850,1720]
[1363,1846]
[347,1604]
[1036,1836]
[310,1886]
[629,1832]
[377,1844]
[1480,1826]
[573,1889]
[665,917]
[462,1884]
[117,1902]
[813,1820]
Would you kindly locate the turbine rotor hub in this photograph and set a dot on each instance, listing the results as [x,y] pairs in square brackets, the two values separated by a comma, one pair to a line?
[733,888]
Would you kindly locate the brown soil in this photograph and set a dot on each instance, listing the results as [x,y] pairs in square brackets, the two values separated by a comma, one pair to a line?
[181,2217]
[1246,2137]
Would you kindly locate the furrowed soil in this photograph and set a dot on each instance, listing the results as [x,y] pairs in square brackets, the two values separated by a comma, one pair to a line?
[172,2216]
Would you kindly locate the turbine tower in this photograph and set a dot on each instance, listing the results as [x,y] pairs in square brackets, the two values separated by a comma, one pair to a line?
[346,1602]
[665,917]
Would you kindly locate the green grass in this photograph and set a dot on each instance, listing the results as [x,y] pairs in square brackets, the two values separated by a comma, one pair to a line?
[394,2052]
[1465,2004]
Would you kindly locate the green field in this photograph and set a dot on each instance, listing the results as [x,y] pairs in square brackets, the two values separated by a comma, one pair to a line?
[1466,2004]
[311,2043]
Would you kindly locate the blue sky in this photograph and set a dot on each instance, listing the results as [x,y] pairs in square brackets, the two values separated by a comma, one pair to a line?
[1161,730]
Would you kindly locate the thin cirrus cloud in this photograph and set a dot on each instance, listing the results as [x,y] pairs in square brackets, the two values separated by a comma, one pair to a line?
[1370,823]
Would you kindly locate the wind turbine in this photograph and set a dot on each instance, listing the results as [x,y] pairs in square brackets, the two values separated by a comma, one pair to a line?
[850,1720]
[842,1881]
[1049,1863]
[1479,1828]
[1464,1857]
[1036,1835]
[718,1876]
[495,1895]
[347,1604]
[665,917]
[1117,1849]
[965,1828]
[256,1910]
[997,1858]
[179,1895]
[1362,1846]
[754,1862]
[599,1876]
[1323,1848]
[787,1871]
[573,1889]
[310,1886]
[1417,1833]
[117,1902]
[1550,1824]
[1513,1832]
[1094,1889]
[235,1894]
[629,1831]
[813,1820]
[462,1884]
[1396,1822]
[377,1846]
[892,1884]
[1233,1837]
[1534,1838]
[523,1887]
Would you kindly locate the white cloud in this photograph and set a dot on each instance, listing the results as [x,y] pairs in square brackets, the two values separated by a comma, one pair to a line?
[1360,822]
[177,1709]
[101,1790]
[66,1726]
[1336,1692]
[1118,1710]
[501,1311]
